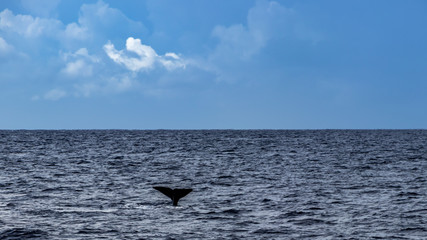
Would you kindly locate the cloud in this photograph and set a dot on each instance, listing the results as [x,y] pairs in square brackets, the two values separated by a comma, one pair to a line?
[55,94]
[235,40]
[266,20]
[171,61]
[147,57]
[62,50]
[120,83]
[241,44]
[79,59]
[79,64]
[5,48]
[83,53]
[96,23]
[76,31]
[78,68]
[99,21]
[42,8]
[27,25]
[242,47]
[106,85]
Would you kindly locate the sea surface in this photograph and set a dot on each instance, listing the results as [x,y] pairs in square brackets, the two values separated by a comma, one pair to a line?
[247,184]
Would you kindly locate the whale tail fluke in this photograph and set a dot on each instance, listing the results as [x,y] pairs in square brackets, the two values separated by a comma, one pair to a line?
[174,194]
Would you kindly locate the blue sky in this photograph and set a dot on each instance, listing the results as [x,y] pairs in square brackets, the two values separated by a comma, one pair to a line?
[202,64]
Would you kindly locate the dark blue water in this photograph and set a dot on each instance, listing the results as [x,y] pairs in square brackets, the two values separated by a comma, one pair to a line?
[324,184]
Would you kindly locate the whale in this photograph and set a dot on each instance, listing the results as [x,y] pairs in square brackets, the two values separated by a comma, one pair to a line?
[174,194]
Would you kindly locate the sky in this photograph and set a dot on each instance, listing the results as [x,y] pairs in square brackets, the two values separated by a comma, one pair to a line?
[202,64]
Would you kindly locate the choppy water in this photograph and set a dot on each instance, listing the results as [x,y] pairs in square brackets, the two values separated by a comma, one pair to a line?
[247,184]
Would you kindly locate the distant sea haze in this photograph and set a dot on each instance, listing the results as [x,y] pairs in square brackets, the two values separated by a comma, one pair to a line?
[247,184]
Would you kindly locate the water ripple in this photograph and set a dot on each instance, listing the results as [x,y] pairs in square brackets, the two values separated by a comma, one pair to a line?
[260,184]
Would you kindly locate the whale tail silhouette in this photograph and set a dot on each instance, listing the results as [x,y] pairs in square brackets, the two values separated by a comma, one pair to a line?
[174,194]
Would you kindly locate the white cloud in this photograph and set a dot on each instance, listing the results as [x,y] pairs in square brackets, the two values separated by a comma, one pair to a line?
[55,94]
[101,15]
[74,31]
[171,61]
[78,68]
[5,48]
[265,21]
[38,35]
[146,54]
[235,40]
[27,25]
[79,64]
[42,8]
[107,85]
[80,53]
[93,26]
[147,57]
[120,83]
[268,25]
[96,21]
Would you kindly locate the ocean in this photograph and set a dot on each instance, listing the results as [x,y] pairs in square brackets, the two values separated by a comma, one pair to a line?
[247,184]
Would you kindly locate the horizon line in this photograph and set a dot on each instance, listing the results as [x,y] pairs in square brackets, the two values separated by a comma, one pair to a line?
[206,129]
